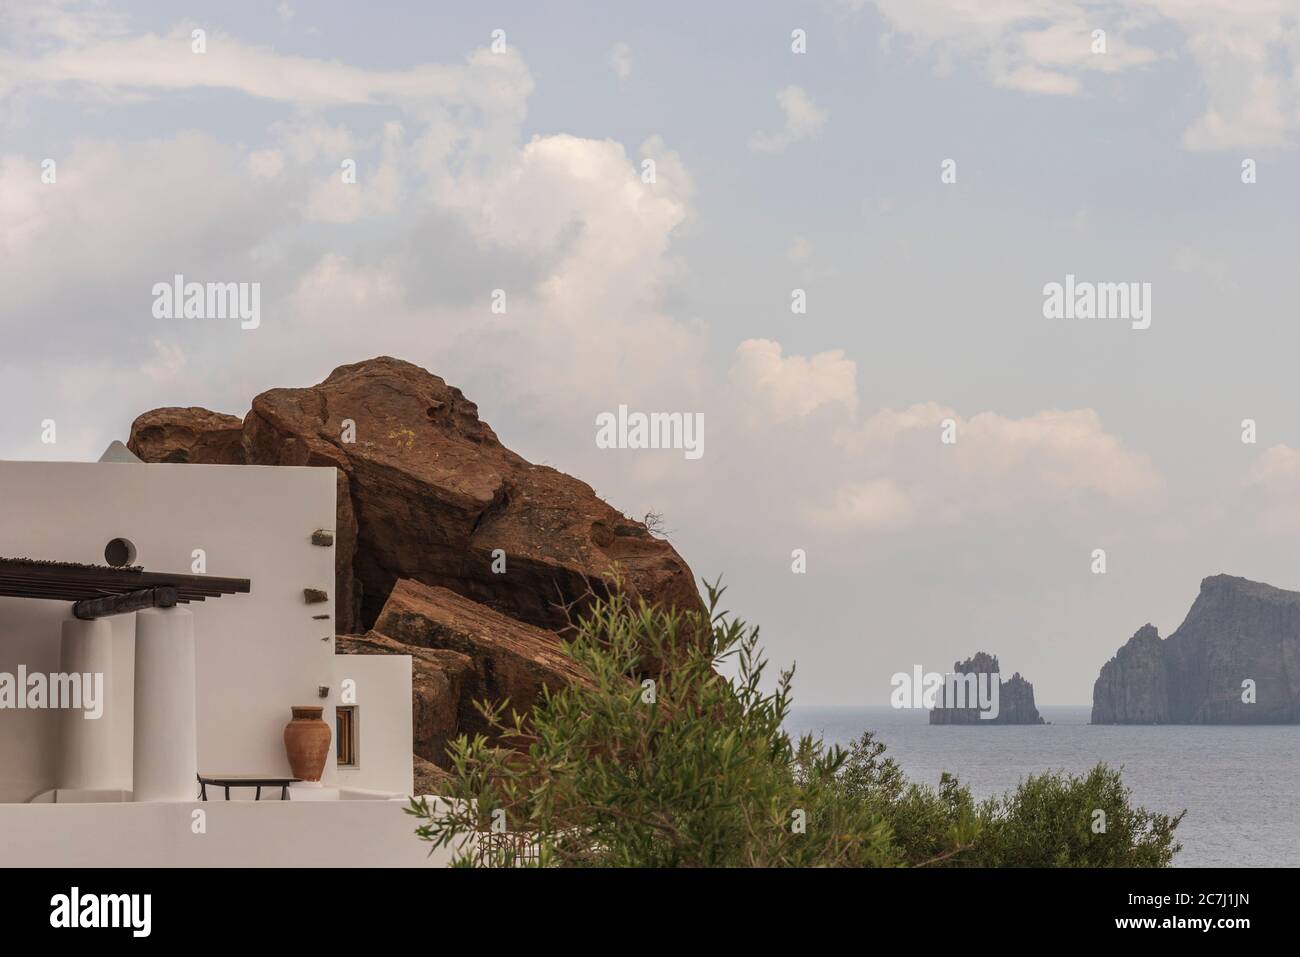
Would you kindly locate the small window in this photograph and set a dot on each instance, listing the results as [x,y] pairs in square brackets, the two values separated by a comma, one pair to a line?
[345,719]
[119,553]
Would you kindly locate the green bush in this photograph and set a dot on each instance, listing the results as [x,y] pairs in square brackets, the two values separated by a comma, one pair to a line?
[1055,820]
[1049,820]
[688,769]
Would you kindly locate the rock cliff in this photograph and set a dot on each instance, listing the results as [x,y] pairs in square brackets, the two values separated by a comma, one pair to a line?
[1015,697]
[1235,659]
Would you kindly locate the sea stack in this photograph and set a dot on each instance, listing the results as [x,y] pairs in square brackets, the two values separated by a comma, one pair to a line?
[1015,697]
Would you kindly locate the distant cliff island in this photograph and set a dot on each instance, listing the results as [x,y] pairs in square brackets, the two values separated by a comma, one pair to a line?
[1235,659]
[1015,697]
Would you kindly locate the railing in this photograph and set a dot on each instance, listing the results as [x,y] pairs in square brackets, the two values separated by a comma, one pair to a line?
[505,849]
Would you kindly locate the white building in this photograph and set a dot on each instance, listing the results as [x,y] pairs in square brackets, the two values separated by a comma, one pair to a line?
[199,688]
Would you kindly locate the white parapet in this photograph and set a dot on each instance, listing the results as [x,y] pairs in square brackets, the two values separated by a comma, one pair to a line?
[165,765]
[86,743]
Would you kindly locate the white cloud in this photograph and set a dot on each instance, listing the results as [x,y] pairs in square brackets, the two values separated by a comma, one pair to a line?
[878,504]
[121,216]
[1273,479]
[803,119]
[1247,52]
[1035,46]
[779,387]
[38,23]
[888,471]
[620,60]
[998,467]
[150,64]
[377,187]
[564,224]
[266,164]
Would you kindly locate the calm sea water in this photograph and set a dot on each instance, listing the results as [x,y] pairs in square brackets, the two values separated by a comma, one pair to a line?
[1240,785]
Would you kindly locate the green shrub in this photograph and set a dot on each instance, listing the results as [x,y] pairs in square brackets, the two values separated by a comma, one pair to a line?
[927,826]
[1049,820]
[688,769]
[1061,820]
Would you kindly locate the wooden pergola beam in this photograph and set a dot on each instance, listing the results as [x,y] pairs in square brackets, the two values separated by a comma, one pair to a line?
[53,591]
[89,609]
[65,581]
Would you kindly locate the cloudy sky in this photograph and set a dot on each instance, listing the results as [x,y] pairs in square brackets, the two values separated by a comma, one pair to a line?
[520,168]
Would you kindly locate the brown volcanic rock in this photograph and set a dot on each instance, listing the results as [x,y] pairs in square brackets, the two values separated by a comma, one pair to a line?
[347,600]
[1236,630]
[434,493]
[510,660]
[426,495]
[439,679]
[427,492]
[429,779]
[187,435]
[462,653]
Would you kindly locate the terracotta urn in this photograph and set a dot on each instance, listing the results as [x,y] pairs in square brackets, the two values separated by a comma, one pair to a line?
[307,742]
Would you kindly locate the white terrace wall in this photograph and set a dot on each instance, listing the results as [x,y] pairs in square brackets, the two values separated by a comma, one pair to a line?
[256,654]
[226,834]
[381,686]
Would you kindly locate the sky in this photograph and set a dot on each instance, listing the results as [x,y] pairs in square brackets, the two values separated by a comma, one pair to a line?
[919,169]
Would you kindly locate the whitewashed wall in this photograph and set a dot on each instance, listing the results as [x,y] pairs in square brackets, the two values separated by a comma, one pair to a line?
[257,654]
[236,834]
[383,715]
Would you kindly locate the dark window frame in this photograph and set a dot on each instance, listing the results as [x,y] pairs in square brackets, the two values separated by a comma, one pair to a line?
[345,733]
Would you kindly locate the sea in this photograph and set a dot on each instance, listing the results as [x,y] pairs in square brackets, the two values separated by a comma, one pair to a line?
[1239,784]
